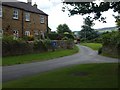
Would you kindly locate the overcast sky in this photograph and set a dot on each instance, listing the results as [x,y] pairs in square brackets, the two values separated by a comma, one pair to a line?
[56,16]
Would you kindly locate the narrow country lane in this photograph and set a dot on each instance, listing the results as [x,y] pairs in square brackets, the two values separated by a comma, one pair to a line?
[85,55]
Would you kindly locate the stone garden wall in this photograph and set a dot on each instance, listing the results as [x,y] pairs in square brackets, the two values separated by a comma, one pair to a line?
[11,48]
[111,50]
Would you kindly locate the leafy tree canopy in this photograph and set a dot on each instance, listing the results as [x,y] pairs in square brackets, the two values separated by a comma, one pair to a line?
[83,8]
[62,28]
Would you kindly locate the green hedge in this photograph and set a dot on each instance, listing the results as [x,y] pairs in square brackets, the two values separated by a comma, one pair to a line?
[111,43]
[112,39]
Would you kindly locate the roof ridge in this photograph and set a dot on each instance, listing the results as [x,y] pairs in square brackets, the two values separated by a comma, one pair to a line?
[25,6]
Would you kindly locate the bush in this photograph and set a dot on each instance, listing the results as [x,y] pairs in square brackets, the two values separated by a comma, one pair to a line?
[112,38]
[100,50]
[54,36]
[111,43]
[28,38]
[69,36]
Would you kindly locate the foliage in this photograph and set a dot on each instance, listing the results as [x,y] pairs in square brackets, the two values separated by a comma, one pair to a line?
[87,32]
[118,22]
[39,46]
[111,38]
[91,7]
[111,44]
[62,28]
[47,43]
[69,36]
[54,36]
[100,50]
[65,38]
[28,38]
[7,38]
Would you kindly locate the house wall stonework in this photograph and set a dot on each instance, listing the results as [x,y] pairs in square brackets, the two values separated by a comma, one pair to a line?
[9,24]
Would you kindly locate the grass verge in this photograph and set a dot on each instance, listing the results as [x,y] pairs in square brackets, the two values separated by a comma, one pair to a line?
[79,76]
[110,55]
[94,46]
[12,60]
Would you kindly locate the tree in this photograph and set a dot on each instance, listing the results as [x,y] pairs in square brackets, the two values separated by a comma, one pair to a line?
[91,7]
[87,32]
[118,21]
[61,29]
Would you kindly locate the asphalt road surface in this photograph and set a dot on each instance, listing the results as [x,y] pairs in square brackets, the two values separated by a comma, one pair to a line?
[84,56]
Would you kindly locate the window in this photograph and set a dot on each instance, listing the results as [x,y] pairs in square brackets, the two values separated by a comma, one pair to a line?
[15,14]
[15,34]
[27,33]
[42,19]
[0,11]
[27,16]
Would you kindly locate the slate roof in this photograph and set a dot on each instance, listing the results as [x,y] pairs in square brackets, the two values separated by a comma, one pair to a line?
[24,6]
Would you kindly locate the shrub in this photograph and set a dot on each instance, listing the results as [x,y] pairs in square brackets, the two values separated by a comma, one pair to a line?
[112,38]
[111,43]
[65,38]
[100,50]
[54,36]
[28,38]
[39,46]
[69,36]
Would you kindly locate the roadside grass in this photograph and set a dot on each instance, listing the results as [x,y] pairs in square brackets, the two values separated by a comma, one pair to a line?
[78,76]
[110,55]
[94,46]
[12,60]
[97,46]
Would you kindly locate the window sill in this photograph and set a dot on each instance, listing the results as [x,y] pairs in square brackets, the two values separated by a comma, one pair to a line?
[27,20]
[42,23]
[15,18]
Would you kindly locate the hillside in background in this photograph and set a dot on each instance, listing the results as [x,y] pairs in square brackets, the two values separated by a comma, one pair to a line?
[106,29]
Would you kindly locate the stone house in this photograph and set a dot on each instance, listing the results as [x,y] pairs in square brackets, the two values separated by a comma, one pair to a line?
[22,19]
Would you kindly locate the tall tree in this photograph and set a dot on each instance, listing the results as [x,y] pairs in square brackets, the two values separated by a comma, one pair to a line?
[62,28]
[87,32]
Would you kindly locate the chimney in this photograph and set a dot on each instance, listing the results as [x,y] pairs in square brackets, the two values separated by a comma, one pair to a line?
[35,5]
[29,2]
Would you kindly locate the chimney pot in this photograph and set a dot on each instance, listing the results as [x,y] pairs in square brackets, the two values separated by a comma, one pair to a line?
[35,5]
[29,2]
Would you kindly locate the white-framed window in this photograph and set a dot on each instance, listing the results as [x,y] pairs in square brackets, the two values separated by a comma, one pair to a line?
[15,34]
[42,19]
[0,11]
[27,33]
[27,16]
[15,14]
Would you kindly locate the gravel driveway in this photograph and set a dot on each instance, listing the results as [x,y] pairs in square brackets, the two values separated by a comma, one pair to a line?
[84,56]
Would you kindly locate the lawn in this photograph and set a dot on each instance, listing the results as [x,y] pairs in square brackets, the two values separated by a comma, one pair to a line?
[94,46]
[78,76]
[12,60]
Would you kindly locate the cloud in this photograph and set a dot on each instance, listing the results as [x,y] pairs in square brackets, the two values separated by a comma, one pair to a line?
[8,0]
